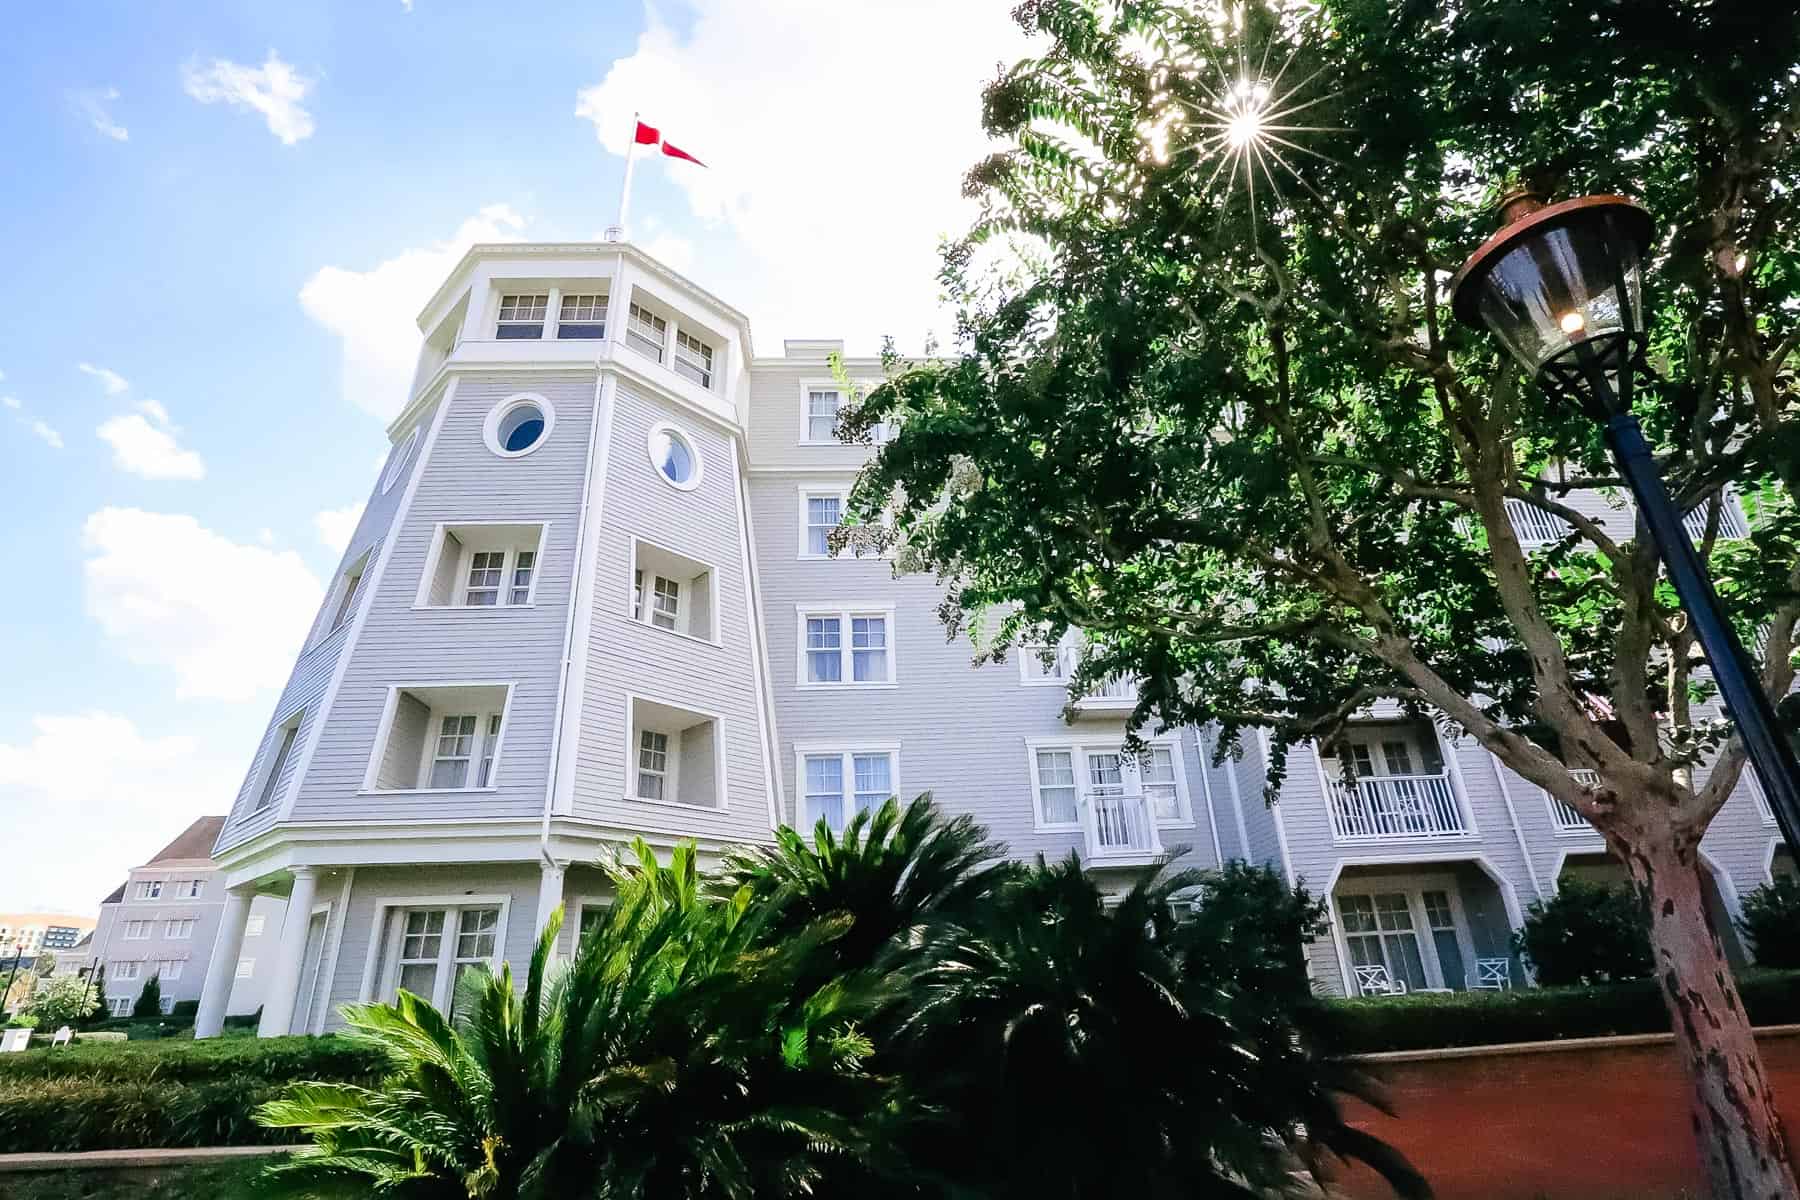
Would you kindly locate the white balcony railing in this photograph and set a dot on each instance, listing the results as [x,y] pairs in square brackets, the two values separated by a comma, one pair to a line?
[1564,816]
[1117,693]
[1120,828]
[1396,806]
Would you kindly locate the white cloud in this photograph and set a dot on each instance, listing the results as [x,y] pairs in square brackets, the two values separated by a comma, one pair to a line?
[375,311]
[840,179]
[336,525]
[94,795]
[145,444]
[274,89]
[51,438]
[225,617]
[93,106]
[11,402]
[112,381]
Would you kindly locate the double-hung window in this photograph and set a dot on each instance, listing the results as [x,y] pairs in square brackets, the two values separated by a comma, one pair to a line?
[822,405]
[149,889]
[191,889]
[440,738]
[481,566]
[1057,797]
[138,931]
[821,513]
[430,949]
[847,647]
[652,765]
[127,970]
[169,969]
[693,358]
[837,784]
[582,316]
[522,317]
[1066,775]
[179,930]
[486,568]
[646,332]
[672,591]
[271,779]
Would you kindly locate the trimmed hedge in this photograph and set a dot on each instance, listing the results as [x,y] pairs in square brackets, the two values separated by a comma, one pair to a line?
[163,1094]
[1433,1021]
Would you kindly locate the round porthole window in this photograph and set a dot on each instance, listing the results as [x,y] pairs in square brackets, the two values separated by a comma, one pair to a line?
[674,457]
[519,424]
[397,464]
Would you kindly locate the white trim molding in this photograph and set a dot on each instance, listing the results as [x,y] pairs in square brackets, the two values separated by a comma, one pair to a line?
[846,752]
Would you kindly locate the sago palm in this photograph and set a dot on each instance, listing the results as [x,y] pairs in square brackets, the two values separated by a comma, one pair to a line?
[670,1059]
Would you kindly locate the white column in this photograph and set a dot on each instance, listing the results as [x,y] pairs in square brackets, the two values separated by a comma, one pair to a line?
[221,968]
[278,1008]
[550,893]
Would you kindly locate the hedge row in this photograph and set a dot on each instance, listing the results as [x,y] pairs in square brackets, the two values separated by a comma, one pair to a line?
[1433,1021]
[186,1061]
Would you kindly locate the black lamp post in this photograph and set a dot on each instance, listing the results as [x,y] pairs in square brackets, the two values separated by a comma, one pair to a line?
[1561,286]
[18,956]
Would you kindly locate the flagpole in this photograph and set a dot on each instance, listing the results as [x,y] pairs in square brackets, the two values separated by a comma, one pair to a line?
[616,233]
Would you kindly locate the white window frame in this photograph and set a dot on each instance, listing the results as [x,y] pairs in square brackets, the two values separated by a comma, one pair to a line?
[1413,887]
[195,889]
[846,752]
[246,969]
[490,427]
[700,358]
[807,388]
[282,745]
[179,929]
[254,925]
[672,776]
[685,438]
[466,559]
[169,969]
[119,1006]
[150,889]
[481,714]
[641,584]
[604,308]
[637,312]
[501,296]
[126,970]
[809,493]
[1068,655]
[348,593]
[1078,749]
[846,615]
[398,462]
[383,952]
[137,931]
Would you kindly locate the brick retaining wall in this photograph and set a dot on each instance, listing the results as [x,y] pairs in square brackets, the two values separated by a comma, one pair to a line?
[1593,1119]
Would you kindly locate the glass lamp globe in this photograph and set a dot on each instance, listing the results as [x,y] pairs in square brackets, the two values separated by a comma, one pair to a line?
[1560,286]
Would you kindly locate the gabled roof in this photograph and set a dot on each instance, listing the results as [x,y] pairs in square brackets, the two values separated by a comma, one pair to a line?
[114,896]
[194,842]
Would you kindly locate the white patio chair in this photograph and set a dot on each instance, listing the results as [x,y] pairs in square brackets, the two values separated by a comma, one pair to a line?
[62,1037]
[1373,979]
[1493,974]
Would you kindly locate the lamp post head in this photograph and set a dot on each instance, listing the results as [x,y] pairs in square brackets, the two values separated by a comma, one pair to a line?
[1561,287]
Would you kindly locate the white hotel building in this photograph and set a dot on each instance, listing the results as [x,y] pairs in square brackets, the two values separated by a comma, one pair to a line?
[590,599]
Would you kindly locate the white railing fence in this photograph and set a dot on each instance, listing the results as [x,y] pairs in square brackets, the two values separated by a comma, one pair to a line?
[1120,824]
[1564,816]
[1731,520]
[1115,688]
[1396,806]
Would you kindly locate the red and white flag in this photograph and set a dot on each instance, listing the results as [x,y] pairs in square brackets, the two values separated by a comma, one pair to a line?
[650,135]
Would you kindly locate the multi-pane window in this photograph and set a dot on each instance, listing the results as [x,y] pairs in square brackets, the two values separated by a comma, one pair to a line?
[524,562]
[137,931]
[1378,930]
[119,1006]
[272,777]
[1057,804]
[591,917]
[665,602]
[1156,774]
[823,514]
[254,926]
[1047,664]
[822,406]
[489,747]
[824,650]
[869,775]
[150,889]
[348,591]
[693,359]
[455,748]
[179,930]
[486,569]
[127,970]
[847,647]
[191,889]
[421,945]
[582,316]
[1440,918]
[646,332]
[477,930]
[169,969]
[522,317]
[246,968]
[653,765]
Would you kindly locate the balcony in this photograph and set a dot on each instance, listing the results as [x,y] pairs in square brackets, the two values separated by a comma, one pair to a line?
[1121,829]
[1116,695]
[1386,807]
[1564,816]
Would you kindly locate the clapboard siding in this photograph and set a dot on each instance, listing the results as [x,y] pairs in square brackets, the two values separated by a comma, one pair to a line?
[630,657]
[399,644]
[775,426]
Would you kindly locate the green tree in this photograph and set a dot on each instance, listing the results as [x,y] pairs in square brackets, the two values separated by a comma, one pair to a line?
[1216,417]
[1771,923]
[63,1000]
[1251,928]
[1586,933]
[667,1060]
[149,1001]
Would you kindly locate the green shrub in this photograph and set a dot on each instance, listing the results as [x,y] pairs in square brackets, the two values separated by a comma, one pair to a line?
[160,1094]
[1426,1021]
[1252,927]
[185,1010]
[149,1001]
[1771,923]
[1586,933]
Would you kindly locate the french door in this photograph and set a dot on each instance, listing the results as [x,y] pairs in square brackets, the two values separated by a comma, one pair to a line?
[1420,934]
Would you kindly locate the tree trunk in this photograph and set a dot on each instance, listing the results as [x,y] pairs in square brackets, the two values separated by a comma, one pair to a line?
[1736,1125]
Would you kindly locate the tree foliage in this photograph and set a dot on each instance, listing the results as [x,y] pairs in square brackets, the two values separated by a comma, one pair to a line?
[63,1000]
[149,1001]
[1771,922]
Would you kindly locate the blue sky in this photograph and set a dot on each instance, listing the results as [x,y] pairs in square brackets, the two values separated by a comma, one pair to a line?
[230,215]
